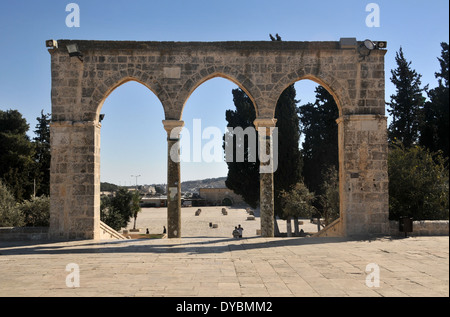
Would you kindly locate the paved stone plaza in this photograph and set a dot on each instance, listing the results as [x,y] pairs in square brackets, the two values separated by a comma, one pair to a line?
[198,226]
[205,263]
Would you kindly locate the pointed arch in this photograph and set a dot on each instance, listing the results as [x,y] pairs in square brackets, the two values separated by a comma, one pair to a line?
[332,85]
[102,90]
[226,72]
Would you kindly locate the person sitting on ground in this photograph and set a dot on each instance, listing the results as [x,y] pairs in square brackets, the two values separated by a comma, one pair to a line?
[235,233]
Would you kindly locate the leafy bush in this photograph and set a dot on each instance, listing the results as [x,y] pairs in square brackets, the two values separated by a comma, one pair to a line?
[116,211]
[329,199]
[36,211]
[10,214]
[297,202]
[418,184]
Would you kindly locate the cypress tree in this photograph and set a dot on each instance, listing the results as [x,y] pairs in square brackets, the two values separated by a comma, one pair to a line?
[42,155]
[243,178]
[407,104]
[435,127]
[320,145]
[290,162]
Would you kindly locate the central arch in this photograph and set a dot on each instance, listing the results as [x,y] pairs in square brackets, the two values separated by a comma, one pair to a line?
[211,120]
[226,72]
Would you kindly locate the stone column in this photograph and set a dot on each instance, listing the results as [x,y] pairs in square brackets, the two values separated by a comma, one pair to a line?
[74,180]
[268,158]
[363,175]
[173,129]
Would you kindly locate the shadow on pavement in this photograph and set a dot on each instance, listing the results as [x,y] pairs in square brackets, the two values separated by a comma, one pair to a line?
[190,245]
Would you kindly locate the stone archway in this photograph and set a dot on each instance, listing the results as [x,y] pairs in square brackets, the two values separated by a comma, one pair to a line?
[227,201]
[172,70]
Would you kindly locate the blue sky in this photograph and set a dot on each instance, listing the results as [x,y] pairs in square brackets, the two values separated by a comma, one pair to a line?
[133,138]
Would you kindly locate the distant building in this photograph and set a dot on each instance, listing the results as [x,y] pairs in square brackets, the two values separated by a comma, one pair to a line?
[220,196]
[148,189]
[105,193]
[206,197]
[157,201]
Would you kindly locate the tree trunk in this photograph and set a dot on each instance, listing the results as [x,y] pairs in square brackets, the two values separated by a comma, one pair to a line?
[296,230]
[288,227]
[275,227]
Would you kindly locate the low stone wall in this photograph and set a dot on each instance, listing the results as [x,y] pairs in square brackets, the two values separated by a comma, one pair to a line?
[41,233]
[107,233]
[334,229]
[23,233]
[420,228]
[423,228]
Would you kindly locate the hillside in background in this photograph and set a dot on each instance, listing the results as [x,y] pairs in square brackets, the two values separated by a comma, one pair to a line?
[193,186]
[186,187]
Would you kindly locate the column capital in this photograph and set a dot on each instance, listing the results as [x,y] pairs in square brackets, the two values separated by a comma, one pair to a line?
[265,122]
[170,125]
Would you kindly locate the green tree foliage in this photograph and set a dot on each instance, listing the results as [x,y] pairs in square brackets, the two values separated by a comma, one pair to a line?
[135,207]
[109,215]
[242,177]
[434,132]
[10,214]
[296,203]
[42,154]
[36,211]
[17,167]
[418,183]
[108,187]
[407,104]
[290,160]
[320,145]
[116,211]
[329,199]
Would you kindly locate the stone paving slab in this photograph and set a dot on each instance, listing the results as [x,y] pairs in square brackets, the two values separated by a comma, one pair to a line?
[226,267]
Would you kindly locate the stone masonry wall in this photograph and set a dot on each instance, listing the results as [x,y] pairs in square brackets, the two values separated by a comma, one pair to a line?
[172,71]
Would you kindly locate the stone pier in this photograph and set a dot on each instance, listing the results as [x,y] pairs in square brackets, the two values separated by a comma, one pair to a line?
[173,128]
